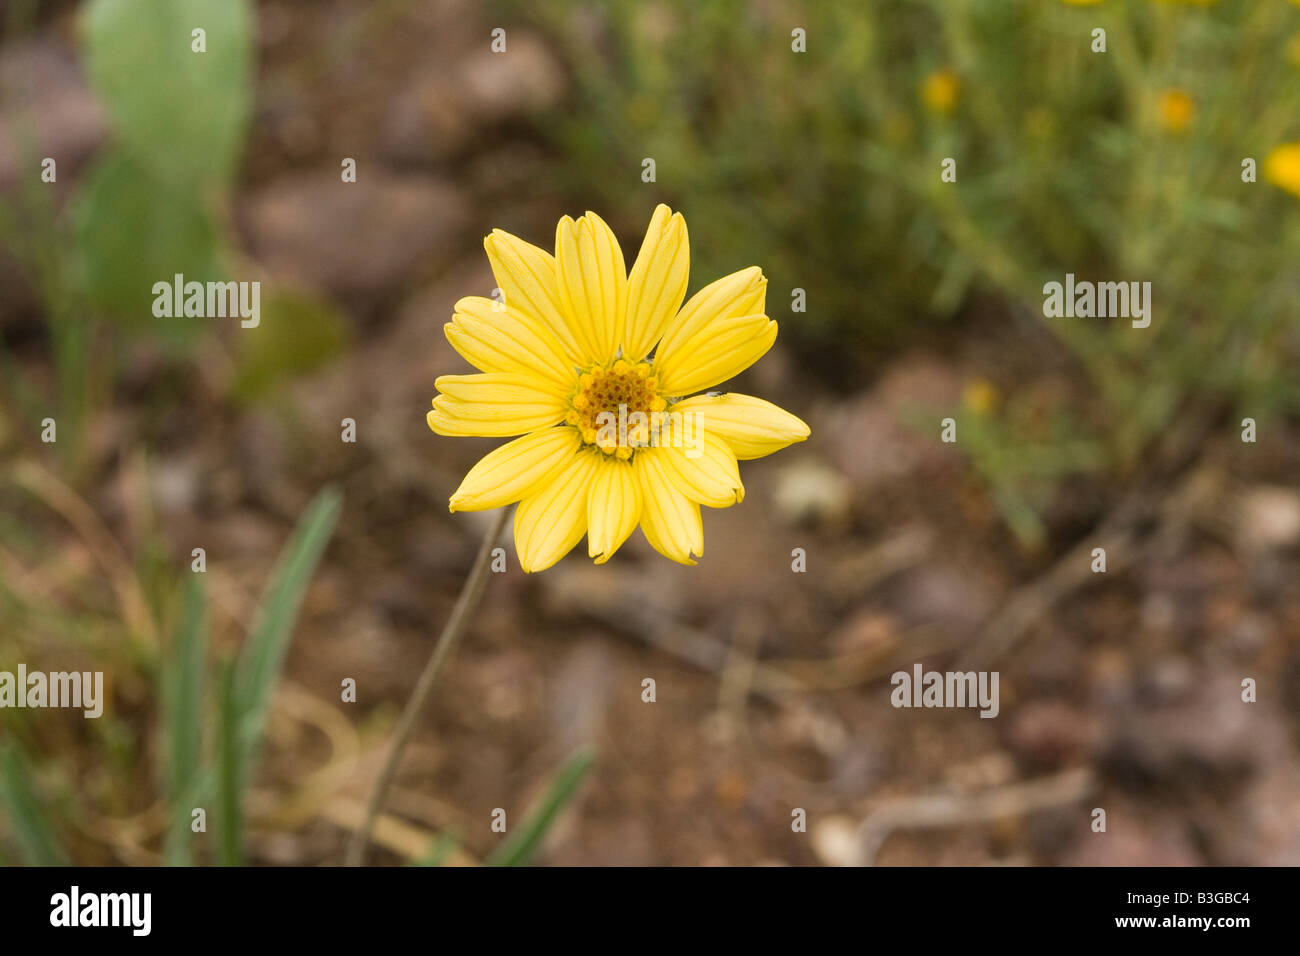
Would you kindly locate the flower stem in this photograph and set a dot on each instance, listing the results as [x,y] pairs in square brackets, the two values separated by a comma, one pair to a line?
[470,594]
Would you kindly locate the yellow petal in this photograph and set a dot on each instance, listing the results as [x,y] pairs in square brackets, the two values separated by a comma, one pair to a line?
[494,339]
[497,388]
[493,404]
[709,313]
[741,293]
[750,426]
[657,285]
[670,521]
[526,276]
[720,350]
[592,284]
[553,517]
[707,473]
[508,473]
[613,508]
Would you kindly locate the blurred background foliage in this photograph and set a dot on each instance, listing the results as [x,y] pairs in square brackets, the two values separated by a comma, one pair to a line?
[155,203]
[1123,165]
[823,167]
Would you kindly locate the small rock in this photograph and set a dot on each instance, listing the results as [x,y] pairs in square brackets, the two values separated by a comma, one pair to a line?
[835,840]
[175,485]
[809,490]
[1270,518]
[523,79]
[441,110]
[357,238]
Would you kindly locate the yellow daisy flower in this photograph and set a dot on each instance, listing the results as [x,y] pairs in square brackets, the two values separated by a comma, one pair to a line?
[980,396]
[588,363]
[1282,167]
[940,90]
[1176,111]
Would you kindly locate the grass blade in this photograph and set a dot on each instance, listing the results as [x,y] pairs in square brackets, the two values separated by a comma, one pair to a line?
[183,719]
[519,848]
[262,656]
[229,764]
[36,841]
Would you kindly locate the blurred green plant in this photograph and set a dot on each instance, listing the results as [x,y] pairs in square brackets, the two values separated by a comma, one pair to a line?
[523,843]
[153,204]
[37,843]
[1022,446]
[131,43]
[777,157]
[1128,166]
[190,778]
[1115,166]
[182,721]
[300,331]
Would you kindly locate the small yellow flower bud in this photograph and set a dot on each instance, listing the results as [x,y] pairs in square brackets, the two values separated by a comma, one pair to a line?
[939,92]
[1176,111]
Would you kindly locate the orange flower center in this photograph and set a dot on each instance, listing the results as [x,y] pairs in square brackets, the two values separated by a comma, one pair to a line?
[613,406]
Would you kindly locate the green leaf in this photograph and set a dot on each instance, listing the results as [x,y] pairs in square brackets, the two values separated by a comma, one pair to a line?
[519,848]
[36,841]
[183,719]
[262,656]
[297,333]
[230,772]
[182,113]
[441,847]
[245,704]
[130,232]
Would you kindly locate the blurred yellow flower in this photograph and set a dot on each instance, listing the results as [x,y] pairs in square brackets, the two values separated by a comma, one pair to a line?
[980,396]
[1282,168]
[585,361]
[940,91]
[1082,3]
[1176,111]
